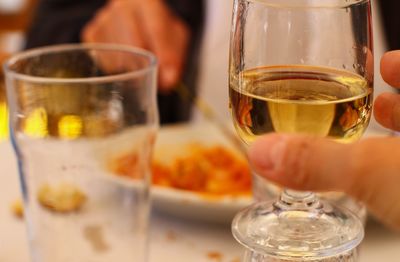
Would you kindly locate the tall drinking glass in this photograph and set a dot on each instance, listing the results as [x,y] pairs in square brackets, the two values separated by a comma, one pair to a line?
[83,121]
[300,66]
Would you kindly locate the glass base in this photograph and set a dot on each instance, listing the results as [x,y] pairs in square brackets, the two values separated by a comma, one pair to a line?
[294,230]
[350,256]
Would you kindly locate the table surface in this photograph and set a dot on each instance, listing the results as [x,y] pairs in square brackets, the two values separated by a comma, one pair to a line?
[171,238]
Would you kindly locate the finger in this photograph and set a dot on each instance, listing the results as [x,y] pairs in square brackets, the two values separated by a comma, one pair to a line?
[294,160]
[168,39]
[124,26]
[115,24]
[390,64]
[387,110]
[3,56]
[367,170]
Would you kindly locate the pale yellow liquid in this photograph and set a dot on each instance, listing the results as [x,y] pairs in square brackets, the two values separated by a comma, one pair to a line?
[300,99]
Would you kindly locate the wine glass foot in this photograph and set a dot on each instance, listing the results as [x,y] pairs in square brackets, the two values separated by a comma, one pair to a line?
[272,229]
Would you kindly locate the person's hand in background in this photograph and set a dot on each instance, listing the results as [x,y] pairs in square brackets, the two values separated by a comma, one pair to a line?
[3,57]
[148,24]
[368,170]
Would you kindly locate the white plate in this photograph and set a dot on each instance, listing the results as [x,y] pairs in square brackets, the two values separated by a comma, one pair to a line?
[171,142]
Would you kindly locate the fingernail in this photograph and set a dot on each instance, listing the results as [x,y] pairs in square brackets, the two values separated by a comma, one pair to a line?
[267,153]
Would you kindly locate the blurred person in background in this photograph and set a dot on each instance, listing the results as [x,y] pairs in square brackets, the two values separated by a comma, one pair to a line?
[190,38]
[172,29]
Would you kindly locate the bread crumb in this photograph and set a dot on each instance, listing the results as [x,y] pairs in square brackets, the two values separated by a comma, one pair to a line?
[215,255]
[171,235]
[95,236]
[17,208]
[63,198]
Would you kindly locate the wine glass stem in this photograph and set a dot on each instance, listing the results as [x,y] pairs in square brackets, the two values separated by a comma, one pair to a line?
[291,199]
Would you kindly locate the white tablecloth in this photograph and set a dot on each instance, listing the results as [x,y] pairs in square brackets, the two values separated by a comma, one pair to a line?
[171,239]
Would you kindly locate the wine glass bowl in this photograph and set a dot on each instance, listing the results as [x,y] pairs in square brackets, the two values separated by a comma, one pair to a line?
[300,67]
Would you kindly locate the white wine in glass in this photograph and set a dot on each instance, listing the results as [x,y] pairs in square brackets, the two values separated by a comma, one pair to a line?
[300,99]
[300,67]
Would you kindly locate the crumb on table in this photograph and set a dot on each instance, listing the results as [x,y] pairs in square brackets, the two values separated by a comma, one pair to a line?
[17,208]
[62,198]
[215,255]
[171,235]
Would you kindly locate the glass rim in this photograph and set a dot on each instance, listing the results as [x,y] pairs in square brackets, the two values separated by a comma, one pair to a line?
[9,72]
[278,4]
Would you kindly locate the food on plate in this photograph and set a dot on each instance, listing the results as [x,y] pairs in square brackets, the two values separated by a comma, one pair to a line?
[126,165]
[207,169]
[215,170]
[63,198]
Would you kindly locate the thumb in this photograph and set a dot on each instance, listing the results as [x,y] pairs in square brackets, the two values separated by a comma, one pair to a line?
[368,170]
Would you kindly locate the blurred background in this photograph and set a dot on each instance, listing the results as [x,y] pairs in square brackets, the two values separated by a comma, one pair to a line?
[15,16]
[32,23]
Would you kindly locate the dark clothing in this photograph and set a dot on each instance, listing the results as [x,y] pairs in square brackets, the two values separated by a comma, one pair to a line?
[61,21]
[391,22]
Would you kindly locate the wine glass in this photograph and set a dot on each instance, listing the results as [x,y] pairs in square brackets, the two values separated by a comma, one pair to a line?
[300,66]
